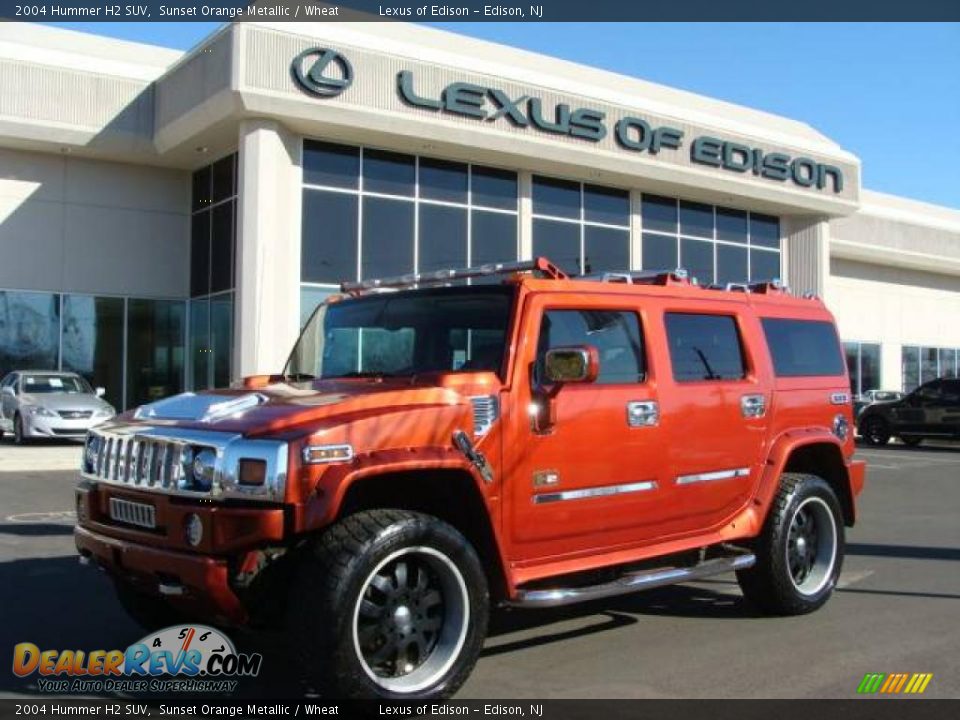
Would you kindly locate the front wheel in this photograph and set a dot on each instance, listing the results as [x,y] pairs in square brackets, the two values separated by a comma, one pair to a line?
[875,430]
[389,604]
[800,550]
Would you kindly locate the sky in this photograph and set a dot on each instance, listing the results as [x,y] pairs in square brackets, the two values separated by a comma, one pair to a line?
[888,92]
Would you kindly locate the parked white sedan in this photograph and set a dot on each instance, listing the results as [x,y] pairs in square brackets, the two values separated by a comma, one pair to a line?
[45,404]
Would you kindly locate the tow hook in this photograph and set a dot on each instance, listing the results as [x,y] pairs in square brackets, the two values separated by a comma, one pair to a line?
[462,442]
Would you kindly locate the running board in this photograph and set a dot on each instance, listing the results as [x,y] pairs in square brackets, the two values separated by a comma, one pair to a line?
[632,582]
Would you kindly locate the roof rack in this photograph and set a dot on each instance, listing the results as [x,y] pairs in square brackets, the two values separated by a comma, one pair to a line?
[643,277]
[541,267]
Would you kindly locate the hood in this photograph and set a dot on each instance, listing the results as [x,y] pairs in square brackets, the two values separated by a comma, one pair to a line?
[283,406]
[65,401]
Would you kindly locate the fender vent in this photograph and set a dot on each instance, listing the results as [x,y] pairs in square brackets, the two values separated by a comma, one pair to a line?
[486,410]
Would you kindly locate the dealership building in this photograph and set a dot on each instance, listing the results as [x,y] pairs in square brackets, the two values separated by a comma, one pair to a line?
[168,219]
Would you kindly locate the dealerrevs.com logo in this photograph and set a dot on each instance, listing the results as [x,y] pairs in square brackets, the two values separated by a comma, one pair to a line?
[190,658]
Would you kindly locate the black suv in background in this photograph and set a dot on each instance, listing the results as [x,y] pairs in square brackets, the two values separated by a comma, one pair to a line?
[930,411]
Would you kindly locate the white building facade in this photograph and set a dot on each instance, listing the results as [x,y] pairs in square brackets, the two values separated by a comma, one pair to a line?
[167,219]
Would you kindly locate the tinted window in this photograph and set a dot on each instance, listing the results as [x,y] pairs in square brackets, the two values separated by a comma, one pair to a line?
[201,189]
[93,342]
[387,237]
[951,392]
[616,336]
[388,173]
[764,265]
[443,237]
[704,347]
[155,352]
[696,219]
[221,247]
[697,257]
[558,241]
[732,225]
[329,233]
[441,180]
[224,180]
[659,213]
[731,264]
[559,198]
[334,165]
[493,238]
[606,205]
[200,254]
[606,249]
[660,252]
[803,348]
[765,231]
[492,187]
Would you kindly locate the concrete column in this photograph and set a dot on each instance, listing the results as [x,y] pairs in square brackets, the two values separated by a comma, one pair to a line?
[807,245]
[526,215]
[268,247]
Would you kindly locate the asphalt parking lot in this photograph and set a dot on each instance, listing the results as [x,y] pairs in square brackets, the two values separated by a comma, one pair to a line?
[896,610]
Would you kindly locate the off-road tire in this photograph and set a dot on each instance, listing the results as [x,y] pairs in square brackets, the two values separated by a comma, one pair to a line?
[770,585]
[875,431]
[148,611]
[340,569]
[911,440]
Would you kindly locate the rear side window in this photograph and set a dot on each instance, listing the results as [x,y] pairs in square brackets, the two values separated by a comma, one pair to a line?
[616,336]
[704,347]
[803,348]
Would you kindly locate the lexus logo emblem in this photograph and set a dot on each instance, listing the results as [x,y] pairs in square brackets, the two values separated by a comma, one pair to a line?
[322,72]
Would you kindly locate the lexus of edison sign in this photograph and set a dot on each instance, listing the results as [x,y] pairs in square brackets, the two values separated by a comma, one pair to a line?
[632,133]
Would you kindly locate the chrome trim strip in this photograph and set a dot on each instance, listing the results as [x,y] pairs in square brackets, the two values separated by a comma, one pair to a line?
[309,449]
[711,476]
[839,398]
[604,491]
[643,580]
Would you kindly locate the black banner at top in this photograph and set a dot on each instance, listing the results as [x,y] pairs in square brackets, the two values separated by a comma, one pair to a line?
[477,10]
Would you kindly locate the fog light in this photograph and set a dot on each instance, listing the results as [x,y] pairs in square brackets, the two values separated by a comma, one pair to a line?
[252,472]
[194,530]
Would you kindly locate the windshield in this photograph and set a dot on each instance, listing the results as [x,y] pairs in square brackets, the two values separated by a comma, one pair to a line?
[70,384]
[456,329]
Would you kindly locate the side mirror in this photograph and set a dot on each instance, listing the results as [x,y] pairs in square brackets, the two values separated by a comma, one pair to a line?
[8,391]
[576,364]
[100,391]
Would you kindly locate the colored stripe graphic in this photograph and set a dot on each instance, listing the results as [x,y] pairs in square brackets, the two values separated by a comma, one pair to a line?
[894,683]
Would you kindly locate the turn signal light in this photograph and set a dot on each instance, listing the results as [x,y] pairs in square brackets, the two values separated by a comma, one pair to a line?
[313,454]
[253,472]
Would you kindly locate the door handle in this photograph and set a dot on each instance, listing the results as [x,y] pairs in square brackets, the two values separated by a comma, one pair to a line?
[643,413]
[753,406]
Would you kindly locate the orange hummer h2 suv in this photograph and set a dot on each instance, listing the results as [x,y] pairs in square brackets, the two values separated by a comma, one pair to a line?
[436,447]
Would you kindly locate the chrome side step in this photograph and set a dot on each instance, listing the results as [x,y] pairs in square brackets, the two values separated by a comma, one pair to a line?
[631,582]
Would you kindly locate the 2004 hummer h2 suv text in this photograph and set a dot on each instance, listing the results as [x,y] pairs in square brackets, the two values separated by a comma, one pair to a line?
[435,447]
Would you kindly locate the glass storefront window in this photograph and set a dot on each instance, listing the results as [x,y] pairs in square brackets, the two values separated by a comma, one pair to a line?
[929,369]
[155,349]
[221,337]
[29,331]
[92,342]
[200,346]
[863,365]
[714,244]
[910,366]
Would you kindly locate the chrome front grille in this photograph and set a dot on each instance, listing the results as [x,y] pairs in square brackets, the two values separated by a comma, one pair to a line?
[137,461]
[161,459]
[132,513]
[486,410]
[75,414]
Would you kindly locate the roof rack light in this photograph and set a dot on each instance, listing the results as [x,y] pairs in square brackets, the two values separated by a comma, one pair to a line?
[540,267]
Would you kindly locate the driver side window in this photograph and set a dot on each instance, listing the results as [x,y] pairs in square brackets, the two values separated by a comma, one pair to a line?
[615,334]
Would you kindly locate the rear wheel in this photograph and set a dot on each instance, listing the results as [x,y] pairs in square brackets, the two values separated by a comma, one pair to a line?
[875,430]
[911,440]
[389,604]
[800,550]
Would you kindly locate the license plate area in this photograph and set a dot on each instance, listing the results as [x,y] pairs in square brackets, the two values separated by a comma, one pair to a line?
[133,513]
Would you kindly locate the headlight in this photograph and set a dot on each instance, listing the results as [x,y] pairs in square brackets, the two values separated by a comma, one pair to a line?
[197,469]
[37,410]
[105,412]
[91,451]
